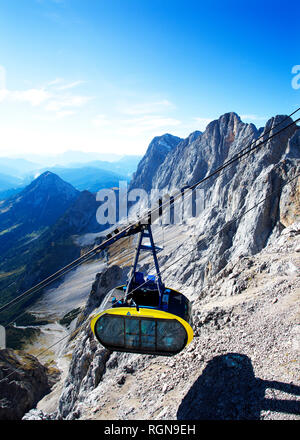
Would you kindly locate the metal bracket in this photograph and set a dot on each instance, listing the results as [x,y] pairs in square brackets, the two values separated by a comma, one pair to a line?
[146,232]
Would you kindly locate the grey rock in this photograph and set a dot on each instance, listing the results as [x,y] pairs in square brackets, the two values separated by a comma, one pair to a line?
[23,382]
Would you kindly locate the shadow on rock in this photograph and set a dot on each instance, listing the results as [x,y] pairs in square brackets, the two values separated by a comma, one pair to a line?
[228,390]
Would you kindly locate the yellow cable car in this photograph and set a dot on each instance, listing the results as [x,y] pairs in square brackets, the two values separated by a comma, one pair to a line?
[145,316]
[145,329]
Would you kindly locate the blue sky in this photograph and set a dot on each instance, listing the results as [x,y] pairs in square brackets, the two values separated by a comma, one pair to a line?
[108,76]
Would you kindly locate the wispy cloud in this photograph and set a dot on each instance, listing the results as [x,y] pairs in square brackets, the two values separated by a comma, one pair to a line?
[138,115]
[101,121]
[70,85]
[135,126]
[60,102]
[35,97]
[56,96]
[63,114]
[55,81]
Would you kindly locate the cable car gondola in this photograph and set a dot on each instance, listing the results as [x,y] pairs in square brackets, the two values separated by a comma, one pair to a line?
[145,316]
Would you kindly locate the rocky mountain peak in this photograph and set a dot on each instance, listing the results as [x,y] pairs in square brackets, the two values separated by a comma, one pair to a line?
[49,182]
[194,135]
[156,153]
[166,142]
[224,130]
[200,152]
[38,206]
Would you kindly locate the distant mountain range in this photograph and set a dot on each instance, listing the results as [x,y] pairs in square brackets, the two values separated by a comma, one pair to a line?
[20,167]
[36,229]
[89,178]
[72,156]
[90,175]
[16,167]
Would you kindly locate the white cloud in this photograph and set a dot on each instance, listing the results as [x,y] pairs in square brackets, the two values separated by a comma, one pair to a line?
[64,114]
[35,97]
[145,124]
[49,97]
[137,117]
[61,102]
[70,85]
[3,94]
[55,81]
[51,101]
[101,121]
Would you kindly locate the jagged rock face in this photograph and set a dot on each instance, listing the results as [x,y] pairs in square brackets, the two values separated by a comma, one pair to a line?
[290,196]
[27,382]
[164,175]
[156,153]
[89,357]
[105,281]
[198,155]
[230,197]
[87,367]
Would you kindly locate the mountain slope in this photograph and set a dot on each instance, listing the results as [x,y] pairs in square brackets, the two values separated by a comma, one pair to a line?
[8,182]
[240,273]
[197,156]
[89,178]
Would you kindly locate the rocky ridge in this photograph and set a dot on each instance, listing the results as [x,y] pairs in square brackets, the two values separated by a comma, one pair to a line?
[23,382]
